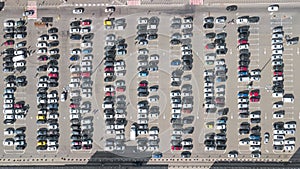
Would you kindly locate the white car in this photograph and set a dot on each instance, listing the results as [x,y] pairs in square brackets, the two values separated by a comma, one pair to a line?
[277,40]
[242,21]
[276,57]
[277,51]
[208,94]
[243,100]
[208,90]
[277,78]
[254,115]
[78,11]
[208,84]
[277,62]
[86,63]
[52,69]
[53,37]
[220,62]
[154,57]
[75,30]
[208,73]
[175,93]
[273,8]
[86,44]
[254,148]
[8,142]
[186,26]
[9,131]
[42,44]
[19,64]
[75,68]
[243,105]
[142,20]
[278,115]
[244,46]
[290,125]
[255,72]
[109,88]
[291,131]
[277,46]
[277,105]
[277,35]
[276,95]
[290,140]
[289,147]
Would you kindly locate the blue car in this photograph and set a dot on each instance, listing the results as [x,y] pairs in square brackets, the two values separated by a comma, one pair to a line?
[175,62]
[74,58]
[254,137]
[241,94]
[243,73]
[157,155]
[143,73]
[87,50]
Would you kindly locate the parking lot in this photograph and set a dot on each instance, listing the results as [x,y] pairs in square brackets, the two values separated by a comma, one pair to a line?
[200,85]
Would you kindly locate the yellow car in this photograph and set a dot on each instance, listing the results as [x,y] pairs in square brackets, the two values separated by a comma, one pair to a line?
[41,117]
[107,22]
[41,143]
[210,125]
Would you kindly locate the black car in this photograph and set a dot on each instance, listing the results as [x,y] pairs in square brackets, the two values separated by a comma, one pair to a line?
[75,23]
[53,84]
[209,142]
[41,147]
[8,64]
[208,25]
[143,94]
[231,8]
[244,62]
[8,69]
[53,43]
[219,41]
[221,51]
[152,36]
[42,68]
[43,58]
[88,37]
[221,35]
[42,106]
[253,19]
[242,29]
[52,63]
[244,56]
[9,121]
[221,147]
[244,131]
[185,154]
[75,37]
[175,42]
[10,78]
[255,120]
[210,35]
[256,129]
[109,79]
[21,29]
[244,35]
[53,30]
[54,57]
[8,35]
[278,68]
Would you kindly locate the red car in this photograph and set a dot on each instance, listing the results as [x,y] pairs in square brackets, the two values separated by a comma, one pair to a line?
[254,93]
[86,74]
[86,22]
[72,105]
[186,110]
[109,69]
[120,89]
[18,106]
[143,83]
[243,41]
[53,74]
[176,147]
[109,93]
[9,43]
[254,99]
[278,73]
[243,68]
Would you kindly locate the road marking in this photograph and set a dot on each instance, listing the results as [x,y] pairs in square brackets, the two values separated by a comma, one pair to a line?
[298,51]
[265,50]
[288,49]
[289,75]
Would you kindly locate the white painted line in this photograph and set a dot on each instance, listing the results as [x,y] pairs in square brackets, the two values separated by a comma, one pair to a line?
[288,49]
[287,27]
[286,86]
[288,59]
[288,70]
[254,44]
[288,75]
[298,51]
[288,80]
[265,50]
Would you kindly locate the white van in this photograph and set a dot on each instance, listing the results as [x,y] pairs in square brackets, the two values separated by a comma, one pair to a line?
[18,58]
[133,133]
[288,99]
